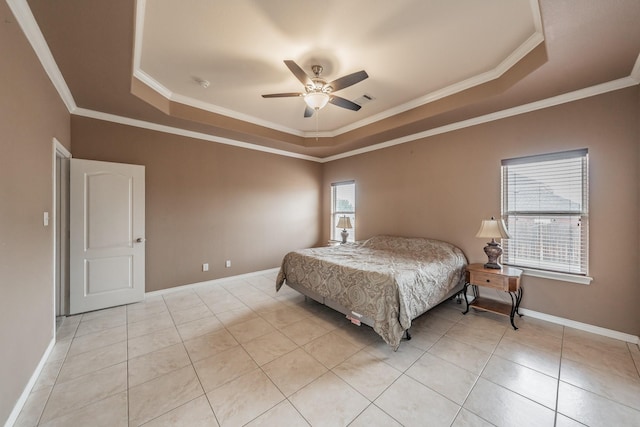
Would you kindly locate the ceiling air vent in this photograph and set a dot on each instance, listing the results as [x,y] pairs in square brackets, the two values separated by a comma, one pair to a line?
[364,99]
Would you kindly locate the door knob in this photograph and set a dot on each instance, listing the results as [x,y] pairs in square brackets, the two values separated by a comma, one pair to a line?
[140,240]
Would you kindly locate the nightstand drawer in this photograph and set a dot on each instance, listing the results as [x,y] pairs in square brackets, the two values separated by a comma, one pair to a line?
[494,281]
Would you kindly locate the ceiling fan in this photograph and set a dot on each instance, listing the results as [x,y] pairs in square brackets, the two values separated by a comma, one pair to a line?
[317,92]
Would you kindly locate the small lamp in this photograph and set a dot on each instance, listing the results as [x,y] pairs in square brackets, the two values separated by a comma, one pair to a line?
[493,229]
[344,222]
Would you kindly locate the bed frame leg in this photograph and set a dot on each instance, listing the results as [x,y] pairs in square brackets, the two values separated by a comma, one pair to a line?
[407,335]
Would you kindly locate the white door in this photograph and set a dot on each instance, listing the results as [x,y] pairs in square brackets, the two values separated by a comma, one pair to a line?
[106,245]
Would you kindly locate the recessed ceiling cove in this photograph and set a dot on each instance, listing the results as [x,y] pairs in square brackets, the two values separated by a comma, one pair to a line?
[220,57]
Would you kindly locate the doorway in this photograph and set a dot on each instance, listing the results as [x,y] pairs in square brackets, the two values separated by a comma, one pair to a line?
[61,157]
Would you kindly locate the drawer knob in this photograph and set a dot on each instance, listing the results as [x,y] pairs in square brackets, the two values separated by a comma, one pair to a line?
[488,280]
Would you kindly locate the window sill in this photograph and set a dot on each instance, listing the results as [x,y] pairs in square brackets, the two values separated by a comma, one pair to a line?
[564,277]
[339,243]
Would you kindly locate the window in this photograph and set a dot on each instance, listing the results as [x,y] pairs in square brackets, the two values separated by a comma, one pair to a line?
[545,207]
[343,203]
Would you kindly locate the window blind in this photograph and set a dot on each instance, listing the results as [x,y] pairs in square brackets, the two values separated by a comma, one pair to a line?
[545,208]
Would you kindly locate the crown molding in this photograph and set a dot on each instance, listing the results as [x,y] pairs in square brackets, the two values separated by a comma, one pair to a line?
[510,112]
[83,112]
[499,115]
[205,106]
[31,30]
[138,32]
[635,72]
[147,79]
[176,97]
[477,80]
[28,24]
[152,83]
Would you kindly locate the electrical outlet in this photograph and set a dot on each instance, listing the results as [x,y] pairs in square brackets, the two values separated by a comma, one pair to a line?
[205,267]
[227,263]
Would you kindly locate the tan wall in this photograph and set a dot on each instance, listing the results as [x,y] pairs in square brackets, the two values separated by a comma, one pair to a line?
[443,186]
[31,114]
[208,202]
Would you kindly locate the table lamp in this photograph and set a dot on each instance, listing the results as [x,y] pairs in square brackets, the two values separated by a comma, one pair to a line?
[493,229]
[344,222]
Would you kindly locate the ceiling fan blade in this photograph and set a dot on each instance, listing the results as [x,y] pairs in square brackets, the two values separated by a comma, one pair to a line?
[344,103]
[298,72]
[282,95]
[308,111]
[348,80]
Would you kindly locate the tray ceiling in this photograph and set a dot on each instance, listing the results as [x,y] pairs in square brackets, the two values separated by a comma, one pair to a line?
[431,64]
[414,52]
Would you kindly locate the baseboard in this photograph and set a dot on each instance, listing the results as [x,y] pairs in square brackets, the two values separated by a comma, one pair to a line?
[572,323]
[27,390]
[211,282]
[582,326]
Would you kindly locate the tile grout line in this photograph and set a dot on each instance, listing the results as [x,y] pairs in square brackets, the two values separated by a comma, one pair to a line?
[270,379]
[478,378]
[304,350]
[297,346]
[193,366]
[260,367]
[633,359]
[142,355]
[596,393]
[404,373]
[224,327]
[85,374]
[555,416]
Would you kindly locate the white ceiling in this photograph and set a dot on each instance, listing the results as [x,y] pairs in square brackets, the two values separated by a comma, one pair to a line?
[415,51]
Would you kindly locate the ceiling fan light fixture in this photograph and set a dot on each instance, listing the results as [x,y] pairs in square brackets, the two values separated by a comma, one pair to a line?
[316,100]
[317,92]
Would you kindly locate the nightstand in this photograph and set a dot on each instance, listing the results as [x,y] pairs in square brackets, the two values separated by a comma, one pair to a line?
[506,279]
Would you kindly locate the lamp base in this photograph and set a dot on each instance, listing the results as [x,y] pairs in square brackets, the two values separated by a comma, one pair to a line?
[493,265]
[493,251]
[344,235]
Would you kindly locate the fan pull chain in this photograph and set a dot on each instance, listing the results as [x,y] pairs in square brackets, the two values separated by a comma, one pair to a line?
[317,120]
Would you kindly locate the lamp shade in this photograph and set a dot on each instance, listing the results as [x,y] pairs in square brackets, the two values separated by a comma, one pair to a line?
[316,100]
[493,229]
[344,222]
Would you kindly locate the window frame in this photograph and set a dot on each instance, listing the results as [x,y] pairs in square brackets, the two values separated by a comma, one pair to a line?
[335,213]
[550,267]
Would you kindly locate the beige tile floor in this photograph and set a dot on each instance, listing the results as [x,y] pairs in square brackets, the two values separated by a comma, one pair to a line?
[238,353]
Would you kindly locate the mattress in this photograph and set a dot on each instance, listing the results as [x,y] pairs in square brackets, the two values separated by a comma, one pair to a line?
[387,280]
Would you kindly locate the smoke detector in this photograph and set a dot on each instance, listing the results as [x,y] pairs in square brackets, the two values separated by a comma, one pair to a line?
[202,82]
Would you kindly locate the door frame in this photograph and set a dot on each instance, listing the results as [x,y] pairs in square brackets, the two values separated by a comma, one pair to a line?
[60,224]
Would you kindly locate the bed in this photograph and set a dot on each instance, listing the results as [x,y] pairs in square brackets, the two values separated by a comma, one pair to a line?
[384,282]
